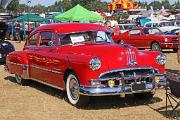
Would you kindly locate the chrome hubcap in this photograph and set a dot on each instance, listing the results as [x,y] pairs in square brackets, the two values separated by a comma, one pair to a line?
[155,47]
[74,89]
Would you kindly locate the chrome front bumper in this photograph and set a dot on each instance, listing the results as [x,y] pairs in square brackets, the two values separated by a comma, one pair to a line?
[121,90]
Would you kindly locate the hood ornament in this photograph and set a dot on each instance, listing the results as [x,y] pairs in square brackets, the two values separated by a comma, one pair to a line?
[133,63]
[131,57]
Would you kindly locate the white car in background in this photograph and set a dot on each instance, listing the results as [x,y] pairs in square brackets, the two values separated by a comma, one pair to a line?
[125,27]
[164,26]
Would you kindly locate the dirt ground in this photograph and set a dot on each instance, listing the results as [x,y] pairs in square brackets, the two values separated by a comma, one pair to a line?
[40,102]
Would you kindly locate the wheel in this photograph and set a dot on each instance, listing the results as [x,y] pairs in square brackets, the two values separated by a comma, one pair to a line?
[147,95]
[20,80]
[155,47]
[72,91]
[120,42]
[175,50]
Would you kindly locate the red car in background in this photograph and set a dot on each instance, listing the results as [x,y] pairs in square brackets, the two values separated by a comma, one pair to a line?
[148,37]
[82,60]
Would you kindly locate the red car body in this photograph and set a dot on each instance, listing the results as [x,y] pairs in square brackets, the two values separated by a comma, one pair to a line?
[141,38]
[93,68]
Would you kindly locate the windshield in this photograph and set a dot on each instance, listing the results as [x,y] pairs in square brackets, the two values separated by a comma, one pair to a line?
[152,31]
[127,27]
[84,37]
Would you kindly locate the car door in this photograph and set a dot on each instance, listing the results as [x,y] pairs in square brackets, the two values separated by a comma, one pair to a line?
[48,62]
[135,38]
[30,47]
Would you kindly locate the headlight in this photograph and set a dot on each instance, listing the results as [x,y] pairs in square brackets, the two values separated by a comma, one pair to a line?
[161,59]
[95,63]
[165,40]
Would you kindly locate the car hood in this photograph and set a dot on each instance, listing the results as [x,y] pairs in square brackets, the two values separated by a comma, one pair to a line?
[112,55]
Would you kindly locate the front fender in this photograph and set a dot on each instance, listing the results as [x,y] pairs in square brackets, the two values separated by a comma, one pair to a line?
[148,58]
[80,64]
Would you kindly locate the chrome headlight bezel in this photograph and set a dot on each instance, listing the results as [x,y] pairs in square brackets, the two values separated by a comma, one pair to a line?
[95,63]
[161,59]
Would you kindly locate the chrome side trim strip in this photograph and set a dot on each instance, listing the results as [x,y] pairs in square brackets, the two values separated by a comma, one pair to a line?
[17,64]
[48,84]
[48,70]
[45,69]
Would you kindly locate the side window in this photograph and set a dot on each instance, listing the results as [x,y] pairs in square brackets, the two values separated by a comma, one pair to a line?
[148,25]
[47,38]
[33,39]
[64,39]
[135,32]
[155,25]
[121,27]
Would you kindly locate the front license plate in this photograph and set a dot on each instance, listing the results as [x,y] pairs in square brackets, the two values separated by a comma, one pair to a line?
[138,86]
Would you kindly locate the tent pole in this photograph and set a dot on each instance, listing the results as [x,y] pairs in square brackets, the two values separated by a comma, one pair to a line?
[24,37]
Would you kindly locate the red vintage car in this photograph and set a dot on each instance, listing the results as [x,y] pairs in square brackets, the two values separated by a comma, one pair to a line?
[82,60]
[148,37]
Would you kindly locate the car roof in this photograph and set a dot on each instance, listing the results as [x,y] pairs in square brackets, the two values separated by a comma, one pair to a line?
[65,28]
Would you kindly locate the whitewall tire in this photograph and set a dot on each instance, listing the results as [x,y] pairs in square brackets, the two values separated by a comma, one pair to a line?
[72,91]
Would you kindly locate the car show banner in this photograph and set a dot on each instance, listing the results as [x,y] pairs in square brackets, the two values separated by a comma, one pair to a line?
[4,3]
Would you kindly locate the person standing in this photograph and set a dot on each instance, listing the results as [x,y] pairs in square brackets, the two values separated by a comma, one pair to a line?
[18,30]
[107,25]
[116,29]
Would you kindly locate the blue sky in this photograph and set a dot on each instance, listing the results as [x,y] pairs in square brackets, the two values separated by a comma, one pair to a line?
[51,2]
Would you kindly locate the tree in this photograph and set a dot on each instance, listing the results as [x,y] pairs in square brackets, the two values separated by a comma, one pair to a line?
[166,4]
[22,8]
[38,9]
[13,6]
[155,4]
[177,5]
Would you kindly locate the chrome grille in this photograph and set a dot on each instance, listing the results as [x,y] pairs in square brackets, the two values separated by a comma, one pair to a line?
[128,72]
[131,56]
[130,75]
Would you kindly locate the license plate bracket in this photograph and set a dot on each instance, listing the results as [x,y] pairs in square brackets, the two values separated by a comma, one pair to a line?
[138,86]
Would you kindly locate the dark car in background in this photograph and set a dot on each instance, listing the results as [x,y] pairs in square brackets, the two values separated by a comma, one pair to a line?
[5,46]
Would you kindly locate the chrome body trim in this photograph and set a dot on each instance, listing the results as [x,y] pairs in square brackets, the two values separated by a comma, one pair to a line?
[169,43]
[46,69]
[26,67]
[48,84]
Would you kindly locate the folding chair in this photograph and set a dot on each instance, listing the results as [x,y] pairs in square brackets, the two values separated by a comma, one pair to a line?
[173,94]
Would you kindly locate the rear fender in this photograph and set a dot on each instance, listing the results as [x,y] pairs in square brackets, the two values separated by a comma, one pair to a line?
[18,63]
